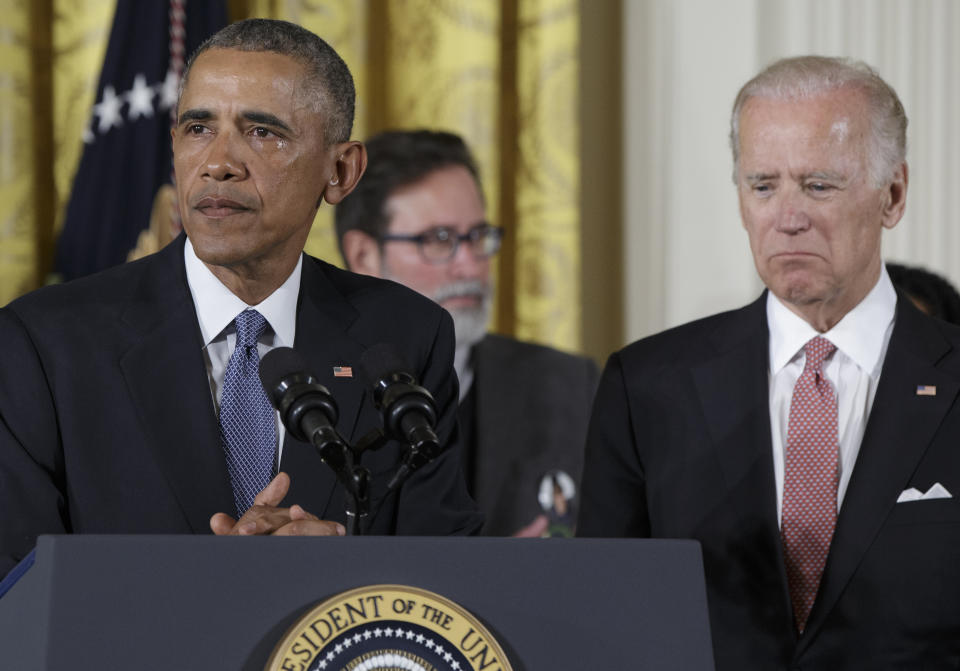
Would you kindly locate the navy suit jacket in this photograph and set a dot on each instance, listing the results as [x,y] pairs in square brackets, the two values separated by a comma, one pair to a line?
[107,424]
[680,447]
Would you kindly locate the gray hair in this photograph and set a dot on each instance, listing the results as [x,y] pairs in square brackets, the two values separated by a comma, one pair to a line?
[328,78]
[809,76]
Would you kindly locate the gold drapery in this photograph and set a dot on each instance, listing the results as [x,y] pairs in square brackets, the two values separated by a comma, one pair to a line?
[18,237]
[50,57]
[504,74]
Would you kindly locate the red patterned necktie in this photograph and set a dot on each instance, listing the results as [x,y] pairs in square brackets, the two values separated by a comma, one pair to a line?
[810,480]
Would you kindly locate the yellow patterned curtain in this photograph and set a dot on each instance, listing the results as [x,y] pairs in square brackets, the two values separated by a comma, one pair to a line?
[50,57]
[18,238]
[546,276]
[504,74]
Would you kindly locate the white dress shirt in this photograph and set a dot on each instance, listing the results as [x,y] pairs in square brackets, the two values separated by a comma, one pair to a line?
[463,366]
[861,339]
[216,309]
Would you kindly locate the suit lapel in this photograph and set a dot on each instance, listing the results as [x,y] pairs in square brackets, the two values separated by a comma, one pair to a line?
[324,318]
[732,386]
[899,430]
[166,376]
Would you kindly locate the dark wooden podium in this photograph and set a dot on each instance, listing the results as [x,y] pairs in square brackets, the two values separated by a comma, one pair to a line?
[202,602]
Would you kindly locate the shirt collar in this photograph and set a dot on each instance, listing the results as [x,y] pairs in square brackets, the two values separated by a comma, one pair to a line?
[860,335]
[217,306]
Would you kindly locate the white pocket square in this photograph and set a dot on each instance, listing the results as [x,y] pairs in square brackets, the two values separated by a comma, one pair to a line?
[937,491]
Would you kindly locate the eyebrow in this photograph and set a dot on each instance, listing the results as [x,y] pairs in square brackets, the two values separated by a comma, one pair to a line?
[194,115]
[453,226]
[822,174]
[816,174]
[252,116]
[266,119]
[761,176]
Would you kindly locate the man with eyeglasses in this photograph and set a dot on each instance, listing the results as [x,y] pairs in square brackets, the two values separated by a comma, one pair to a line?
[418,217]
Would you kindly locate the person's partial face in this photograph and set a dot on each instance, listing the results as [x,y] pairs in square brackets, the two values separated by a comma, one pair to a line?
[813,215]
[446,197]
[249,157]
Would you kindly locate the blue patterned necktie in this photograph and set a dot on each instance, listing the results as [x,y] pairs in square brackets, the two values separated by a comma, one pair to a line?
[247,423]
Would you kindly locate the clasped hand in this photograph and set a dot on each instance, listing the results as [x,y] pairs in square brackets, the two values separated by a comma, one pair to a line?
[265,518]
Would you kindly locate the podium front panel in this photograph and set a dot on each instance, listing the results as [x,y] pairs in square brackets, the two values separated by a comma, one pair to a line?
[203,602]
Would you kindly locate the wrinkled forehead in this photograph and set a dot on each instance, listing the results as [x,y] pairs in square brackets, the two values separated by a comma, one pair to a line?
[448,196]
[232,75]
[835,122]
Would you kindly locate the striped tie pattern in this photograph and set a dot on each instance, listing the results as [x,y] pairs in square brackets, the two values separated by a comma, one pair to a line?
[247,423]
[810,480]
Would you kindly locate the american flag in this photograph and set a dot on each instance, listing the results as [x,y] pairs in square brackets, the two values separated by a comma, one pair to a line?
[126,156]
[926,390]
[342,371]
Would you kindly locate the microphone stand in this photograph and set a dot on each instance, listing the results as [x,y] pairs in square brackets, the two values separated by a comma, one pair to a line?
[420,450]
[358,499]
[340,456]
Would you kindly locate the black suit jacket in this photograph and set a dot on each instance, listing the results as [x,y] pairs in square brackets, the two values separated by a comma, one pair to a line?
[107,423]
[532,407]
[680,447]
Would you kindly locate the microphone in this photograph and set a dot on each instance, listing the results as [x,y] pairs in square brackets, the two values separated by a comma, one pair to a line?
[307,409]
[408,410]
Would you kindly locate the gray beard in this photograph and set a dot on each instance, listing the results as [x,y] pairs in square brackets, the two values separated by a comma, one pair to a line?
[469,324]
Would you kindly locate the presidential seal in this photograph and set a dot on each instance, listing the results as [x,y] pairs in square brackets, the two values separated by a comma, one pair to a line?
[388,628]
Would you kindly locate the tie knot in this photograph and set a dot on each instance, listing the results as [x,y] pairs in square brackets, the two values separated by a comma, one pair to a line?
[816,350]
[250,326]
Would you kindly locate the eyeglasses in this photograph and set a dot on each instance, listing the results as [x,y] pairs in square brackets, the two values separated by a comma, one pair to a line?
[440,243]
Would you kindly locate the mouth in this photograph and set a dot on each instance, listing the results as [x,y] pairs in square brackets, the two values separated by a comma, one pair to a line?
[463,301]
[217,207]
[463,294]
[794,255]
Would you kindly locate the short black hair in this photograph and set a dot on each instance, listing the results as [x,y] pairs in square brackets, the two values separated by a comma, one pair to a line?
[395,159]
[928,289]
[327,75]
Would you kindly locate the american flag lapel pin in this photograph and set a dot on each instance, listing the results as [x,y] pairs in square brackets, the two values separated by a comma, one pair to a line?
[345,371]
[926,390]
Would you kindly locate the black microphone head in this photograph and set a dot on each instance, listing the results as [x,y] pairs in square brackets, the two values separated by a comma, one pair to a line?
[276,365]
[395,390]
[381,361]
[381,365]
[293,391]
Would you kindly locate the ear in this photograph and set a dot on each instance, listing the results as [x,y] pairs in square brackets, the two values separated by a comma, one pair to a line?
[350,162]
[895,198]
[361,253]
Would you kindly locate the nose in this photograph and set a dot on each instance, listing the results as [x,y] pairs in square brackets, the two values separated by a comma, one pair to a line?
[792,217]
[223,160]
